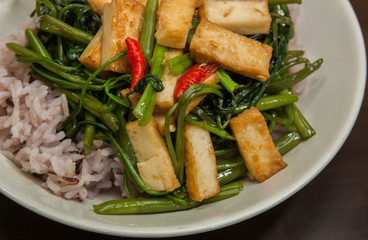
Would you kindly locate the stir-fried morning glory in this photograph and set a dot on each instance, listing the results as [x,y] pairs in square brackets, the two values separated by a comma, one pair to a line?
[187,98]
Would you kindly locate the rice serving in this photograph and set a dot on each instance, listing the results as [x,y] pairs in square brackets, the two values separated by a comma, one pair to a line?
[30,113]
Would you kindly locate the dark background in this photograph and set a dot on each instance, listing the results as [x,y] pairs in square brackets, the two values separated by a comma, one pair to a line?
[333,206]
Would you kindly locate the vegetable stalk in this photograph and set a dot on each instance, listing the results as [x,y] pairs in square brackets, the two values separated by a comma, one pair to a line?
[159,205]
[148,28]
[144,109]
[226,81]
[53,25]
[179,64]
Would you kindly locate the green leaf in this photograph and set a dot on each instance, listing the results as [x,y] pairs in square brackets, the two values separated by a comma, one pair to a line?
[149,79]
[75,52]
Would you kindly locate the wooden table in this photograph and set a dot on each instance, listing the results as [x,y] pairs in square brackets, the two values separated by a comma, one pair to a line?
[333,206]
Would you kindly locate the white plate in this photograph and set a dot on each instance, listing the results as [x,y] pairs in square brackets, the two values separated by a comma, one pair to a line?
[331,104]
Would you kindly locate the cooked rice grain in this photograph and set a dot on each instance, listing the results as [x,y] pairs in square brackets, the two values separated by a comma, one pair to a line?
[30,113]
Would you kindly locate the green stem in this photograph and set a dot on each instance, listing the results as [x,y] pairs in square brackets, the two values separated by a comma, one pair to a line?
[203,115]
[231,174]
[304,128]
[89,133]
[159,205]
[60,49]
[144,108]
[287,142]
[146,104]
[179,64]
[283,121]
[195,23]
[53,25]
[126,145]
[157,67]
[229,163]
[271,2]
[226,81]
[225,151]
[169,143]
[148,28]
[286,82]
[48,4]
[227,191]
[36,44]
[93,105]
[294,54]
[276,101]
[139,206]
[217,131]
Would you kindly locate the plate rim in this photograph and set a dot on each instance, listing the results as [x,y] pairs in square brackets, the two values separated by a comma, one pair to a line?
[164,232]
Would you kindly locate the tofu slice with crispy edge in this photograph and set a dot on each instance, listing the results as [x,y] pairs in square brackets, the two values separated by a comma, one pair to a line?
[154,163]
[98,5]
[91,57]
[132,97]
[200,164]
[174,19]
[259,152]
[142,2]
[244,17]
[160,121]
[211,80]
[121,19]
[234,52]
[165,99]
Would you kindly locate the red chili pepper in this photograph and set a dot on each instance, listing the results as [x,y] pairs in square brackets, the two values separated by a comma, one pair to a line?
[198,74]
[137,62]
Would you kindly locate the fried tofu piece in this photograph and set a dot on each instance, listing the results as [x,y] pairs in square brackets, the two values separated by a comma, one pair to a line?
[121,19]
[200,164]
[212,80]
[244,17]
[160,121]
[142,2]
[214,44]
[165,99]
[132,97]
[91,57]
[154,163]
[259,152]
[174,19]
[158,175]
[98,5]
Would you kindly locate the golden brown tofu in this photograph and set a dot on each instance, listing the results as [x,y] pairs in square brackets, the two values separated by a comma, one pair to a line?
[142,2]
[160,121]
[154,163]
[255,145]
[98,5]
[158,174]
[174,19]
[234,52]
[212,80]
[200,164]
[244,17]
[121,19]
[165,99]
[132,97]
[91,57]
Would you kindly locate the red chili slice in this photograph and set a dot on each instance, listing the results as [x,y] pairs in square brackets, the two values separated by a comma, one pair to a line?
[198,74]
[137,62]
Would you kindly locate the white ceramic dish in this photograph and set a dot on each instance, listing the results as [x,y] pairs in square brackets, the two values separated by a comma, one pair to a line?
[331,103]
